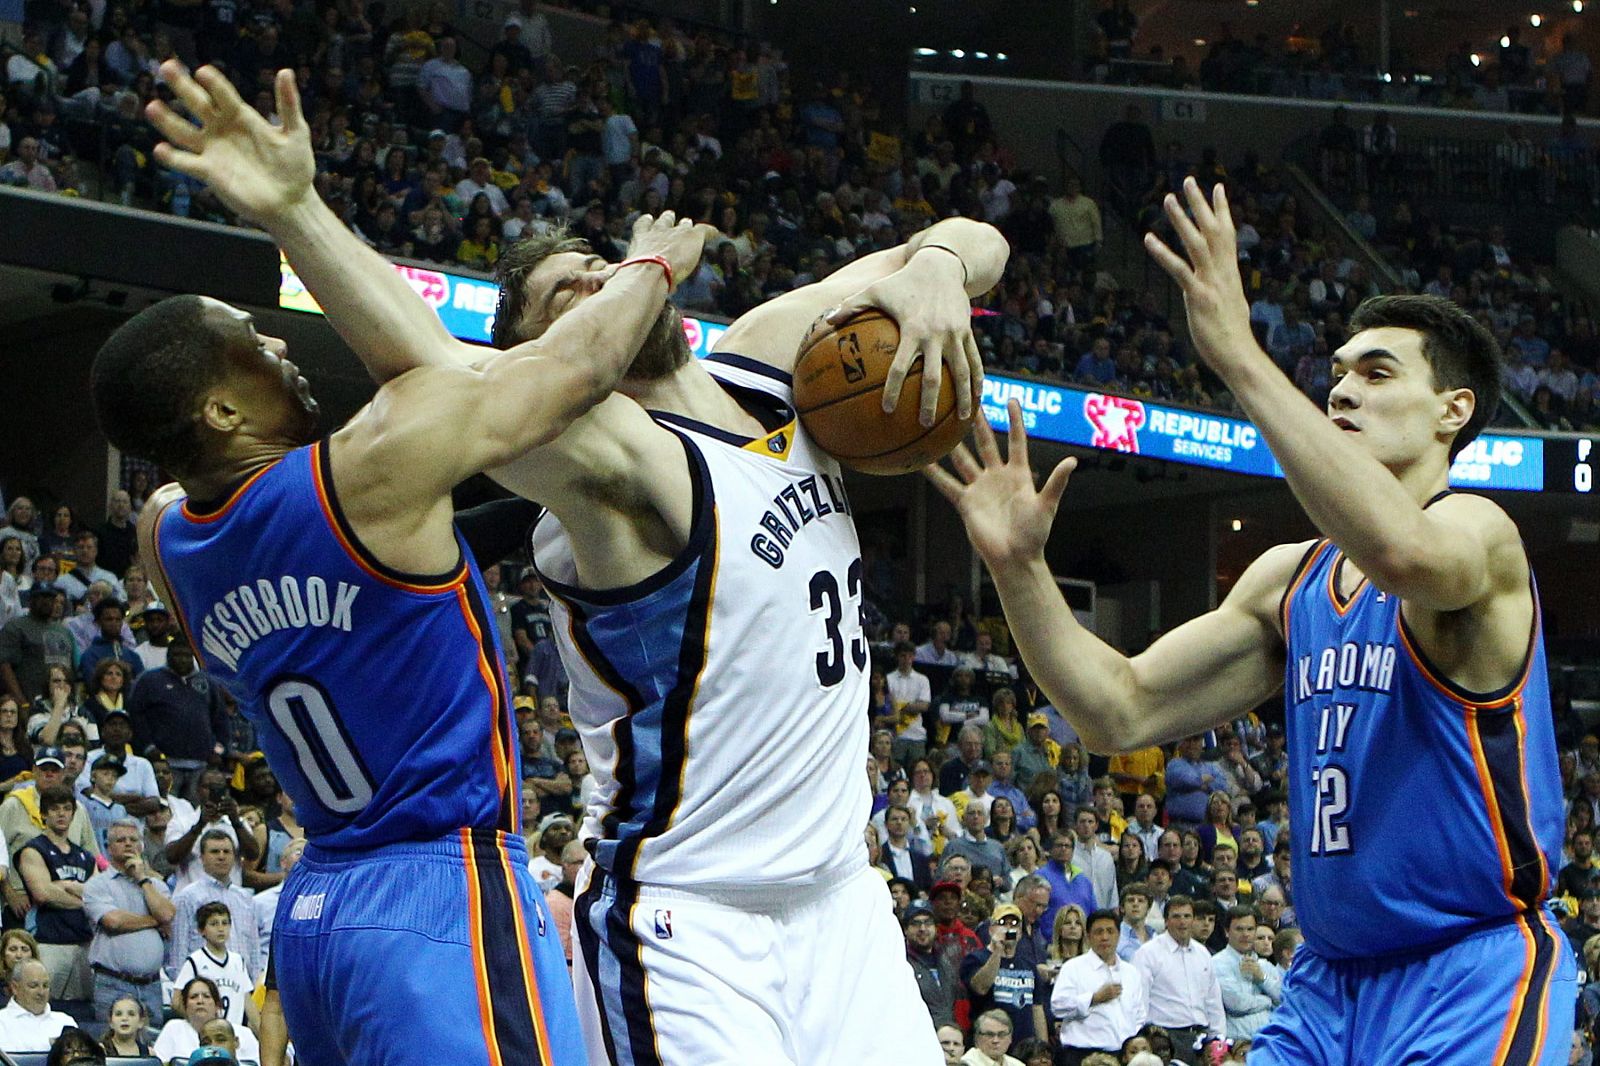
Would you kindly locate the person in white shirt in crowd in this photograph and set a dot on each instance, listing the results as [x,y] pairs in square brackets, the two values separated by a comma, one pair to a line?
[266,901]
[1100,999]
[1181,984]
[1251,985]
[899,795]
[226,969]
[180,1037]
[1144,824]
[152,647]
[27,1023]
[214,886]
[136,789]
[985,663]
[554,833]
[938,652]
[1093,859]
[218,812]
[991,1039]
[910,695]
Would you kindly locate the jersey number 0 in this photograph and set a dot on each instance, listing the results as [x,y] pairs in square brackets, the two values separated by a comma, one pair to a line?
[306,718]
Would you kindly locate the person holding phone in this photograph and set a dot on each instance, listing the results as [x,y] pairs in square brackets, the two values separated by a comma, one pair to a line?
[1006,974]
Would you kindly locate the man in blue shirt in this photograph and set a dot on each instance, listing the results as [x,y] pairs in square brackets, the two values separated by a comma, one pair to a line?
[1096,367]
[1251,986]
[107,644]
[1190,783]
[1068,884]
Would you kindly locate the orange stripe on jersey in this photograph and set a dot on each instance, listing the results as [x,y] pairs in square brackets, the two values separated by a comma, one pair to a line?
[480,967]
[1558,939]
[1527,793]
[530,980]
[1519,997]
[238,494]
[1300,579]
[1421,663]
[325,501]
[500,756]
[1342,609]
[1491,804]
[172,592]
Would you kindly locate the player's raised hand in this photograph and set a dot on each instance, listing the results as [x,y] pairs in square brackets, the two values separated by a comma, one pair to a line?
[928,299]
[1008,517]
[1213,294]
[679,242]
[257,169]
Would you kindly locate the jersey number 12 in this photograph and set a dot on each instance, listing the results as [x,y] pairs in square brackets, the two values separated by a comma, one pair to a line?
[1329,834]
[825,597]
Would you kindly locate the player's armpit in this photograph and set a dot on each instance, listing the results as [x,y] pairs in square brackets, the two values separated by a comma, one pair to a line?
[1217,666]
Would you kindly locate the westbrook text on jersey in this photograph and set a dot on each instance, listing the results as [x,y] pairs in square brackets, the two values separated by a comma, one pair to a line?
[796,507]
[246,614]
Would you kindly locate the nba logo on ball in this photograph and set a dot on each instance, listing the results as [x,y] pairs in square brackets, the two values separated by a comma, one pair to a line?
[663,925]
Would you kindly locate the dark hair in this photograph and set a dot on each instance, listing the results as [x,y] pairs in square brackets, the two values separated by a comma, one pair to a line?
[1135,888]
[1102,915]
[209,911]
[511,271]
[209,983]
[1244,910]
[1179,901]
[107,604]
[1203,907]
[75,1046]
[1459,348]
[51,798]
[148,378]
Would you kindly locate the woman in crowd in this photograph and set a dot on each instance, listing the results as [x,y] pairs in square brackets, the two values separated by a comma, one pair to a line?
[480,249]
[1076,787]
[881,747]
[108,688]
[16,754]
[16,945]
[127,1029]
[1024,855]
[61,538]
[74,1047]
[1131,864]
[1003,731]
[137,586]
[181,1036]
[880,708]
[1189,858]
[936,812]
[1218,827]
[1066,939]
[11,576]
[1002,820]
[1053,817]
[55,709]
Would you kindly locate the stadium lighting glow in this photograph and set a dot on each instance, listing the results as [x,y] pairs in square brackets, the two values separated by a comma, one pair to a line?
[927,52]
[1477,60]
[1505,42]
[1199,42]
[957,53]
[1577,7]
[1238,524]
[1534,20]
[1001,56]
[1387,77]
[980,55]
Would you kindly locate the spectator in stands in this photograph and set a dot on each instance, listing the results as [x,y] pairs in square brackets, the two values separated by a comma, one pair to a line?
[1076,221]
[226,969]
[22,819]
[201,1002]
[154,624]
[27,1024]
[1099,997]
[217,859]
[1181,985]
[127,1032]
[109,615]
[901,854]
[31,644]
[136,789]
[1191,780]
[104,774]
[911,696]
[1095,861]
[128,906]
[1251,985]
[56,871]
[218,812]
[28,169]
[1037,752]
[1069,883]
[179,709]
[1128,154]
[936,974]
[959,704]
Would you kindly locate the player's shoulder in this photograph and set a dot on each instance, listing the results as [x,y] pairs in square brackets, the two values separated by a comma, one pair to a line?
[1467,511]
[155,506]
[1275,570]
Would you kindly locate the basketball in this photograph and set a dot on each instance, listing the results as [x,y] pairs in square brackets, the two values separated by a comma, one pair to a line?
[838,390]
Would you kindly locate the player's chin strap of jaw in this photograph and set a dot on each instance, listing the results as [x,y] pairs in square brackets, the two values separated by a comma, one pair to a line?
[501,336]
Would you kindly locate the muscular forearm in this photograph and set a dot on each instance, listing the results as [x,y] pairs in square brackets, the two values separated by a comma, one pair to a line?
[1087,680]
[983,978]
[980,247]
[374,309]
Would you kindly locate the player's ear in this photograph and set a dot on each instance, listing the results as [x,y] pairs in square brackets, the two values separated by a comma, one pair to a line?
[1459,404]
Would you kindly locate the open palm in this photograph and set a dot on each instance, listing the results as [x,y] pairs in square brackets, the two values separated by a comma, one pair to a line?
[257,169]
[1008,517]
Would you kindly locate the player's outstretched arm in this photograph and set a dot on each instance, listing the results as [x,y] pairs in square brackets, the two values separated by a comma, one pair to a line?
[1450,556]
[1203,673]
[925,285]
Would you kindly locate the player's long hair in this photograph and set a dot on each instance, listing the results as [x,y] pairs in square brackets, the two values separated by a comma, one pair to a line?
[1459,348]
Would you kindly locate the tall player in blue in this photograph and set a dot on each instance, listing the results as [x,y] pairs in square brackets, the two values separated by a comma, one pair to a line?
[1407,641]
[322,578]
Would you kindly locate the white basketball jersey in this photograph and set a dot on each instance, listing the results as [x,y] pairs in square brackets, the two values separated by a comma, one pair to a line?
[722,702]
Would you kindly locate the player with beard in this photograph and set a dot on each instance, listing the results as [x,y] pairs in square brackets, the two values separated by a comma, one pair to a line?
[694,532]
[302,568]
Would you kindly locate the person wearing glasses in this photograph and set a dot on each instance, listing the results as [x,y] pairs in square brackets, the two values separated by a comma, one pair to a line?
[991,1040]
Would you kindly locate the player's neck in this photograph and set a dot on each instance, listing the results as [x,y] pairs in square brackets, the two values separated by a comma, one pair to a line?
[1423,479]
[232,468]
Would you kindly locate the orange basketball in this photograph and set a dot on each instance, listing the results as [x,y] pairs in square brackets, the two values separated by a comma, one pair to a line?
[838,391]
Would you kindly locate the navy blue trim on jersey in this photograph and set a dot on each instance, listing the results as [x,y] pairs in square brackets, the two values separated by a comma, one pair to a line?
[629,950]
[1294,581]
[516,1034]
[1436,497]
[1500,738]
[1464,694]
[509,818]
[633,1033]
[700,529]
[675,709]
[754,366]
[347,533]
[772,412]
[1529,1023]
[1341,601]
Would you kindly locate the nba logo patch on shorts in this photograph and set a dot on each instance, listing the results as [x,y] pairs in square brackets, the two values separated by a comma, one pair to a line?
[663,925]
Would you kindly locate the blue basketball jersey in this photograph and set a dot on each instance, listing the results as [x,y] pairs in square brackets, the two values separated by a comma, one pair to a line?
[377,696]
[1419,811]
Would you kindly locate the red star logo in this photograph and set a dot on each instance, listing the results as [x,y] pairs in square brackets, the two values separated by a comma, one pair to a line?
[1116,421]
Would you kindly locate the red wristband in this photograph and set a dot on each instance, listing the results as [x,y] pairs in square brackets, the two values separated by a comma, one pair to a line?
[658,260]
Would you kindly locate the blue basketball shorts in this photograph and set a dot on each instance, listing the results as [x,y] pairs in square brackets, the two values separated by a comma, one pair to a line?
[419,954]
[1503,996]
